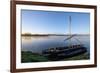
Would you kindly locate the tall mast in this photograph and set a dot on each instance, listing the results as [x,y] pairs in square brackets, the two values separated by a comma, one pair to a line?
[70,28]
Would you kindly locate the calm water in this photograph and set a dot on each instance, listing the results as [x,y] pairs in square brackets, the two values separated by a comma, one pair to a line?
[40,43]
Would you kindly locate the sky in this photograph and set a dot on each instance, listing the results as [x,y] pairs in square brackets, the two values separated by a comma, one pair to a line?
[53,22]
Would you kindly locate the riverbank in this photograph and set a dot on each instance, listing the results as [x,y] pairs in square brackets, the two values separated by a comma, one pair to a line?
[27,57]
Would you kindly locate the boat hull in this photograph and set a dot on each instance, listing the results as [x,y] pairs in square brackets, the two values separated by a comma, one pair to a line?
[64,52]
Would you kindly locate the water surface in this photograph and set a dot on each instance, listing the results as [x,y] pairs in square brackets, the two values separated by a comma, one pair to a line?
[37,44]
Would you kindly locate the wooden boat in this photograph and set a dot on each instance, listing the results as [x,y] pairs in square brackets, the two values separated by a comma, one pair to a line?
[59,53]
[66,49]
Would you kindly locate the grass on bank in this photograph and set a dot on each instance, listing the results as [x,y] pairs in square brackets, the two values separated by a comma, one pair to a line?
[32,57]
[27,56]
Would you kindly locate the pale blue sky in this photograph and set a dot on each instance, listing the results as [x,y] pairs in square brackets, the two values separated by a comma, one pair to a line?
[52,22]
